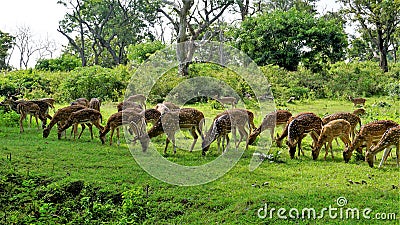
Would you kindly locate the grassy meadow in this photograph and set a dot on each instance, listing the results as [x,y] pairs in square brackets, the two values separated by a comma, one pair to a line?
[37,175]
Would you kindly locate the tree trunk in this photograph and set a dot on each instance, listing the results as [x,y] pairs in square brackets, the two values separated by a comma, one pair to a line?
[383,63]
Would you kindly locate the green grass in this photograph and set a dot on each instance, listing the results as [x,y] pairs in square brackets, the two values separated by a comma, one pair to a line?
[234,198]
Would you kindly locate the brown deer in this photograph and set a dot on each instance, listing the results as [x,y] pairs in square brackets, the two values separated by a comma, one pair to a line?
[139,98]
[172,121]
[226,100]
[240,118]
[128,105]
[82,116]
[166,106]
[220,128]
[270,121]
[25,108]
[81,101]
[152,115]
[359,112]
[125,118]
[357,101]
[369,133]
[353,119]
[298,129]
[284,134]
[336,128]
[95,103]
[390,139]
[60,117]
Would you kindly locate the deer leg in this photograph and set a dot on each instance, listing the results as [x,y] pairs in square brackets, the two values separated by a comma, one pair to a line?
[384,157]
[37,122]
[195,137]
[21,119]
[112,134]
[219,143]
[227,140]
[166,145]
[118,141]
[91,130]
[75,127]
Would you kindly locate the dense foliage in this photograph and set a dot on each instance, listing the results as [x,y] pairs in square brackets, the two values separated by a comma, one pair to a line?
[290,38]
[342,79]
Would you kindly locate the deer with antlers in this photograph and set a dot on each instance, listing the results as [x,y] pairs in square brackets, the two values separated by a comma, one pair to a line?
[357,101]
[226,100]
[172,121]
[335,128]
[369,133]
[135,120]
[270,121]
[390,139]
[83,116]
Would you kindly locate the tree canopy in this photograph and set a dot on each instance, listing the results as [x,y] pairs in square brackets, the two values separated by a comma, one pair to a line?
[290,38]
[6,43]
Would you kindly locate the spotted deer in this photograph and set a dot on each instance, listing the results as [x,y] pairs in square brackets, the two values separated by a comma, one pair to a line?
[27,108]
[335,128]
[95,103]
[128,105]
[369,133]
[220,128]
[279,138]
[135,121]
[357,101]
[353,119]
[172,121]
[359,112]
[83,116]
[226,100]
[270,121]
[60,117]
[139,98]
[166,106]
[390,139]
[81,101]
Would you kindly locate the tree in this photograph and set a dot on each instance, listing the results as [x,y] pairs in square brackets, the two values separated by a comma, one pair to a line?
[288,38]
[379,19]
[6,43]
[190,21]
[107,27]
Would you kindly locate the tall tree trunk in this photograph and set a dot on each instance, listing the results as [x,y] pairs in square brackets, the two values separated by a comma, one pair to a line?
[383,63]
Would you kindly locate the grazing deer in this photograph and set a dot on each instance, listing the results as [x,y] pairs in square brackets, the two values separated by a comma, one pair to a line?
[128,105]
[83,116]
[43,108]
[139,98]
[359,112]
[270,121]
[81,101]
[369,133]
[60,117]
[226,100]
[125,118]
[390,139]
[25,108]
[95,103]
[357,101]
[166,106]
[172,121]
[336,128]
[353,119]
[284,134]
[240,118]
[219,129]
[298,129]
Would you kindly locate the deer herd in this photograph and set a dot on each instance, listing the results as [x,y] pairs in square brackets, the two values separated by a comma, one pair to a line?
[168,118]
